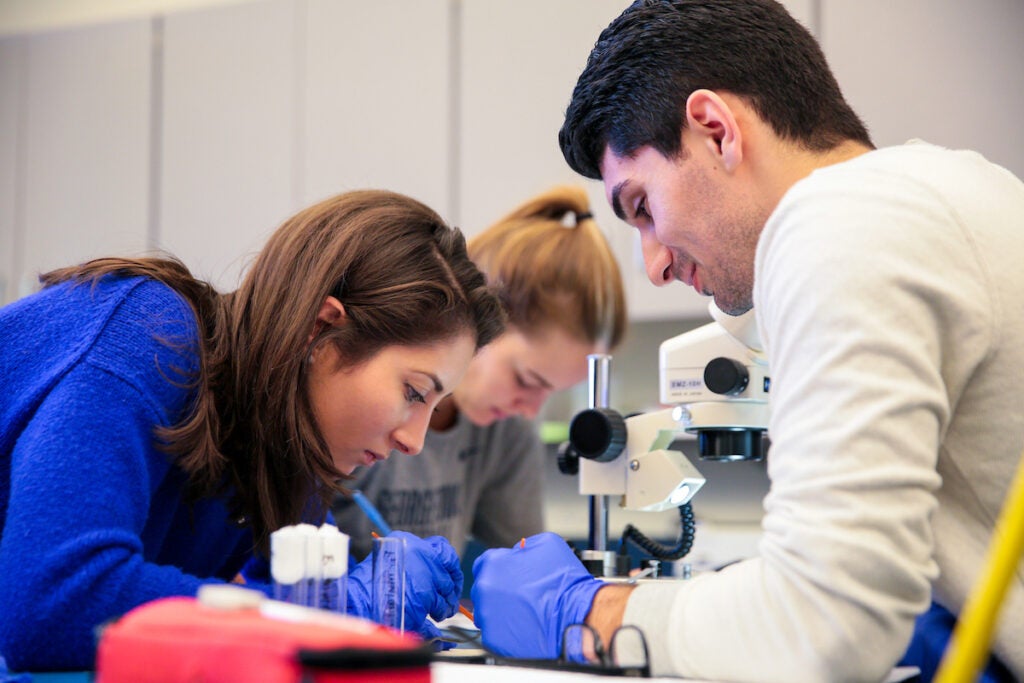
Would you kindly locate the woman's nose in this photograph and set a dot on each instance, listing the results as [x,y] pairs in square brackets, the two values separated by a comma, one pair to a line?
[410,435]
[529,403]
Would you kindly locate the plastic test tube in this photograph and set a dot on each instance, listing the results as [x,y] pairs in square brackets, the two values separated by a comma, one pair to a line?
[288,564]
[388,591]
[335,568]
[313,573]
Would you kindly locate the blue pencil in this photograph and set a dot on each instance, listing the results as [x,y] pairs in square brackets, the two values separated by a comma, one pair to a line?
[373,513]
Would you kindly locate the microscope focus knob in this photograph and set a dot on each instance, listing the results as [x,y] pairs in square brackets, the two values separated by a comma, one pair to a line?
[598,434]
[568,459]
[726,376]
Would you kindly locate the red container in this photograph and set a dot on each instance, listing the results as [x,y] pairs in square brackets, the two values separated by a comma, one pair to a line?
[177,640]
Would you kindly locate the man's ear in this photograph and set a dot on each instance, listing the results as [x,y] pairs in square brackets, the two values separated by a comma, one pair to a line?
[713,121]
[331,313]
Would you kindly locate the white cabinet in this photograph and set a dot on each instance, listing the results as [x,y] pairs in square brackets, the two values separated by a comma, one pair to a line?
[377,99]
[945,71]
[83,156]
[12,81]
[271,106]
[519,63]
[229,133]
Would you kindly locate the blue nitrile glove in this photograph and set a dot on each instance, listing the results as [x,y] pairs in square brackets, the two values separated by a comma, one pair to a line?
[433,583]
[932,633]
[525,596]
[11,677]
[256,570]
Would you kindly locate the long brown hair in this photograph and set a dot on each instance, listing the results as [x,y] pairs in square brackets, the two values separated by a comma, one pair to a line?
[552,266]
[404,278]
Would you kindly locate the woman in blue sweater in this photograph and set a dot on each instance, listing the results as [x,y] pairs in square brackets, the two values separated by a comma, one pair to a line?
[153,432]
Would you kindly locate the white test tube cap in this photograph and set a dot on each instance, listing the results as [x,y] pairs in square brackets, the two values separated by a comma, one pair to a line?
[228,596]
[314,551]
[335,549]
[287,555]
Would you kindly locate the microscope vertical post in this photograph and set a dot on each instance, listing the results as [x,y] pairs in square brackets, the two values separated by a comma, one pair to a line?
[599,372]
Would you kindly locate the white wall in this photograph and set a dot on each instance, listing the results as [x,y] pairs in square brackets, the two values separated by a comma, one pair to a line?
[946,71]
[30,16]
[197,125]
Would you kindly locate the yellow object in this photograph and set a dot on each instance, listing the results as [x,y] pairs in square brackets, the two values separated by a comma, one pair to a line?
[968,648]
[554,432]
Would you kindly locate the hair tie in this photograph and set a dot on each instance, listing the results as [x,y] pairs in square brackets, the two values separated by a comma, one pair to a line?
[583,216]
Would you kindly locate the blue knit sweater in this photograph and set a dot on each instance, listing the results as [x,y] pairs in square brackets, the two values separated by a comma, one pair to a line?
[92,516]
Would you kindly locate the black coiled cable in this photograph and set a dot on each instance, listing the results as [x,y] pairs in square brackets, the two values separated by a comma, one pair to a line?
[657,550]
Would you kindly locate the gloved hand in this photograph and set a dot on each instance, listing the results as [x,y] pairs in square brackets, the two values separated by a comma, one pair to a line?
[932,633]
[525,596]
[433,583]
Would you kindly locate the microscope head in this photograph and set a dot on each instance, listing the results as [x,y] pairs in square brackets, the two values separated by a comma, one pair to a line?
[717,378]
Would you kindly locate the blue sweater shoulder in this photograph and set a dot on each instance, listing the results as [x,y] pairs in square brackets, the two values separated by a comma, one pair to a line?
[112,323]
[93,519]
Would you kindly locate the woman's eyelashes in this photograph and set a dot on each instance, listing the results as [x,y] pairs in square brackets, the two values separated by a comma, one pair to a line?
[523,384]
[413,396]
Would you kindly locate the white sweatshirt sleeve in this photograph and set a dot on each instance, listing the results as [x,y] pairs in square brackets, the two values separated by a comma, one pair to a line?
[863,325]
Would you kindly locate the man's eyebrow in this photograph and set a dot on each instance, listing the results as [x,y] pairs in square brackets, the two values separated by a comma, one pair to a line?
[616,202]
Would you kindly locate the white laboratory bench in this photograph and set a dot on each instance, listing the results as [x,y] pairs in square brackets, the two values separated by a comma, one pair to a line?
[453,672]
